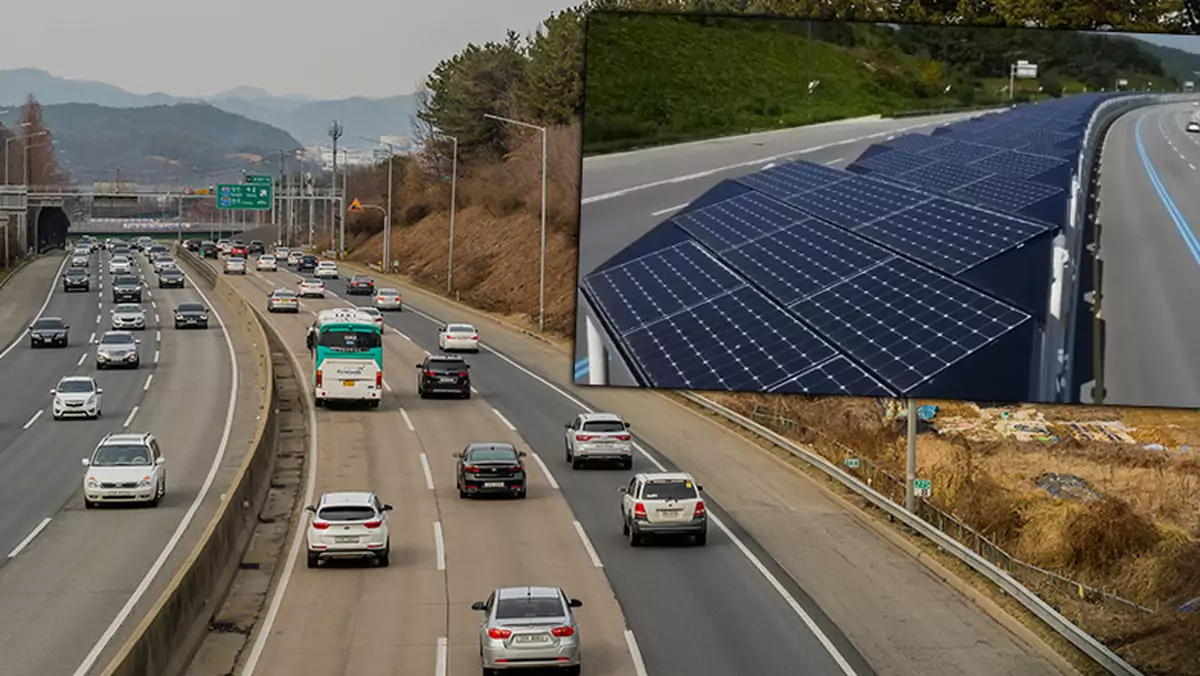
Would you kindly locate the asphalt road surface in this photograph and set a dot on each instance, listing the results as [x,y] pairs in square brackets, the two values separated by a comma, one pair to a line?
[724,609]
[74,582]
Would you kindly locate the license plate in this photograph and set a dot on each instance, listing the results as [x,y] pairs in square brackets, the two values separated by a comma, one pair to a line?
[446,379]
[347,383]
[537,638]
[346,538]
[670,511]
[493,484]
[120,494]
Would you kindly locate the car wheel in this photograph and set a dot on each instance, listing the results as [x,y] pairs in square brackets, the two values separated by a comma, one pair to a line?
[568,452]
[374,403]
[701,539]
[627,463]
[635,539]
[467,394]
[422,394]
[576,463]
[385,558]
[88,504]
[573,670]
[319,403]
[624,527]
[521,494]
[178,325]
[314,559]
[56,416]
[463,495]
[204,325]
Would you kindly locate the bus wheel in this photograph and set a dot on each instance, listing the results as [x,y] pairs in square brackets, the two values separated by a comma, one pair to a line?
[319,402]
[374,403]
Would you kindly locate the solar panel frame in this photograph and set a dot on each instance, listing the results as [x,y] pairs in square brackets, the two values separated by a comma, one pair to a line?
[1007,194]
[1019,164]
[857,201]
[836,376]
[915,143]
[793,178]
[961,152]
[892,162]
[944,177]
[733,221]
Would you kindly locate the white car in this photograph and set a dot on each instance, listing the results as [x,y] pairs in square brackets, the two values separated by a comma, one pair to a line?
[348,525]
[599,437]
[458,337]
[223,246]
[281,253]
[311,288]
[120,265]
[294,257]
[326,270]
[663,503]
[266,263]
[235,266]
[76,396]
[373,313]
[128,316]
[1193,127]
[80,260]
[161,262]
[126,467]
[389,299]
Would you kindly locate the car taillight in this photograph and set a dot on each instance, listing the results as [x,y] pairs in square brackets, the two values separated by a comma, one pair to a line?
[639,510]
[624,437]
[462,374]
[431,374]
[380,299]
[320,525]
[583,437]
[699,512]
[373,524]
[471,469]
[563,631]
[378,379]
[474,337]
[318,377]
[499,633]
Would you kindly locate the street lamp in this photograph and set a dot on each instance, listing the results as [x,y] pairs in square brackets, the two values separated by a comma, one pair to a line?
[542,274]
[453,203]
[17,138]
[37,235]
[386,263]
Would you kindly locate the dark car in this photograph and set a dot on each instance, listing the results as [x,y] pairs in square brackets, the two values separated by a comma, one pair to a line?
[76,279]
[257,247]
[307,264]
[170,277]
[493,468]
[126,288]
[360,285]
[191,245]
[443,374]
[209,250]
[192,315]
[48,332]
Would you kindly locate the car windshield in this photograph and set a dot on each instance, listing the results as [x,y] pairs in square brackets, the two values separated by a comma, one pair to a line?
[350,341]
[237,261]
[116,339]
[128,307]
[48,324]
[346,513]
[118,260]
[172,272]
[125,281]
[604,426]
[191,307]
[672,489]
[121,455]
[492,455]
[75,386]
[528,607]
[76,272]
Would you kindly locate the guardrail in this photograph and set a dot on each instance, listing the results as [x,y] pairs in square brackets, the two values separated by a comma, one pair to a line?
[1087,644]
[165,641]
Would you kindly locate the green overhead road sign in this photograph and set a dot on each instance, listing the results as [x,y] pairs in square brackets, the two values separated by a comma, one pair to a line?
[922,487]
[242,196]
[254,179]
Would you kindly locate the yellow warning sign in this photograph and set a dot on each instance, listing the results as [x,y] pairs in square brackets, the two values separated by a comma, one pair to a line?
[356,206]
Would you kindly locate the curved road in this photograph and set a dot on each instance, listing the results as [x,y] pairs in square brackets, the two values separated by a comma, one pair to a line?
[1150,215]
[725,609]
[74,582]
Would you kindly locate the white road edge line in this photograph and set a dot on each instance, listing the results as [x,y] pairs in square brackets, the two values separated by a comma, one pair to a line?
[29,538]
[185,522]
[92,339]
[668,210]
[439,667]
[440,543]
[149,379]
[130,418]
[545,470]
[754,561]
[398,333]
[504,420]
[587,544]
[473,390]
[407,420]
[158,334]
[156,356]
[81,358]
[99,318]
[386,386]
[33,419]
[639,665]
[426,471]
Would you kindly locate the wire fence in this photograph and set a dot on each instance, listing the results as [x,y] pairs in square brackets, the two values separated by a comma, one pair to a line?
[893,487]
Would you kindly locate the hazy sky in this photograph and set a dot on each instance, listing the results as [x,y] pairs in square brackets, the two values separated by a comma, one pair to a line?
[324,49]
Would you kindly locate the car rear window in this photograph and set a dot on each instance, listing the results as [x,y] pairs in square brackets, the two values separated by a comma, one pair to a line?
[346,513]
[444,365]
[528,607]
[492,455]
[674,489]
[460,328]
[604,426]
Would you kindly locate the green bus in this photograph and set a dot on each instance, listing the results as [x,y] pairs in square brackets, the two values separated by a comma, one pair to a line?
[347,347]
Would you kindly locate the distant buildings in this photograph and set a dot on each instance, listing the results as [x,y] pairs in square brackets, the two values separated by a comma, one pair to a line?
[360,155]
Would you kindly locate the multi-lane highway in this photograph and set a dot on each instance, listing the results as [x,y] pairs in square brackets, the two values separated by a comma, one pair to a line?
[1150,217]
[73,582]
[727,608]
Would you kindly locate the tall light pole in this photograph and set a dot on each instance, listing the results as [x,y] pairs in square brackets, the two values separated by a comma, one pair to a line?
[17,138]
[386,263]
[335,132]
[542,274]
[453,202]
[37,241]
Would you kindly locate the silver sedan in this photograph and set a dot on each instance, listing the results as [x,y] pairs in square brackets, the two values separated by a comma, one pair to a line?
[128,316]
[388,299]
[530,626]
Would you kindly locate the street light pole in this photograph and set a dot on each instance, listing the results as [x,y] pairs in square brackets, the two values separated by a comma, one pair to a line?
[37,240]
[453,204]
[17,138]
[385,265]
[542,273]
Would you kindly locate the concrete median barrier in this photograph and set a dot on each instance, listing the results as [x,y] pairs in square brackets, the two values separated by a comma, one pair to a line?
[168,636]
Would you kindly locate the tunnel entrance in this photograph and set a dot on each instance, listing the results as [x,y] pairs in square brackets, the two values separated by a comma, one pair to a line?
[52,226]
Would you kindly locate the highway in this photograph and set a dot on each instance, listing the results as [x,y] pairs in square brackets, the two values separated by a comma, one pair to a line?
[1150,213]
[728,608]
[73,581]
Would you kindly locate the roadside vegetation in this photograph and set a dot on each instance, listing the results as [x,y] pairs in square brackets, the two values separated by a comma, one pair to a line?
[32,141]
[1140,540]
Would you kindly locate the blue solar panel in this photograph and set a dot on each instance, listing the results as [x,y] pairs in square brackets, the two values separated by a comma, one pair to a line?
[950,236]
[959,152]
[915,143]
[1019,164]
[857,201]
[804,259]
[906,323]
[945,177]
[1004,193]
[737,341]
[836,376]
[731,222]
[893,162]
[792,178]
[651,287]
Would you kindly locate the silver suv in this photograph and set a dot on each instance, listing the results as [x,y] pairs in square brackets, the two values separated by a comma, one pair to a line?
[599,437]
[530,626]
[118,348]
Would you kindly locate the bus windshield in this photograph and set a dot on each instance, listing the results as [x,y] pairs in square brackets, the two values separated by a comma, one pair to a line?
[344,339]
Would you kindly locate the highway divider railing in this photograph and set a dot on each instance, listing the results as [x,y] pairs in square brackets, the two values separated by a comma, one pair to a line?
[1086,643]
[164,643]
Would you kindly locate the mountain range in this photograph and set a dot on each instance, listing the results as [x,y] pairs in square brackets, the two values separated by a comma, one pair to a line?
[303,117]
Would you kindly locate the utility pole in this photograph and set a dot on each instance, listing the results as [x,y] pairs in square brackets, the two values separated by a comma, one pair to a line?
[335,132]
[275,204]
[910,470]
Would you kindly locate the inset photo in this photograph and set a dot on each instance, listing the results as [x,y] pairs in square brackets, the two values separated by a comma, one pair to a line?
[884,210]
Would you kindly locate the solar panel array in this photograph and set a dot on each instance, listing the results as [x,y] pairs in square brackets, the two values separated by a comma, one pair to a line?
[822,280]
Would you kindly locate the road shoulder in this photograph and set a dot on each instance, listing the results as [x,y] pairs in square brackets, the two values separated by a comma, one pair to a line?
[23,293]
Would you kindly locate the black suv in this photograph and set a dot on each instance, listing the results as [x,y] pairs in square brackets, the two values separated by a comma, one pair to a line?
[443,374]
[360,285]
[126,288]
[76,279]
[490,468]
[257,247]
[307,263]
[172,277]
[48,332]
[191,314]
[209,250]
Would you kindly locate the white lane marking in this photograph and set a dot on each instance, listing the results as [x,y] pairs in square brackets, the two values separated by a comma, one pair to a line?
[1191,166]
[440,544]
[29,538]
[101,303]
[156,319]
[153,304]
[473,390]
[545,470]
[82,357]
[398,333]
[158,335]
[407,420]
[99,318]
[668,210]
[754,561]
[832,162]
[218,458]
[766,166]
[92,339]
[587,544]
[639,666]
[386,386]
[426,471]
[33,419]
[439,667]
[149,379]
[504,420]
